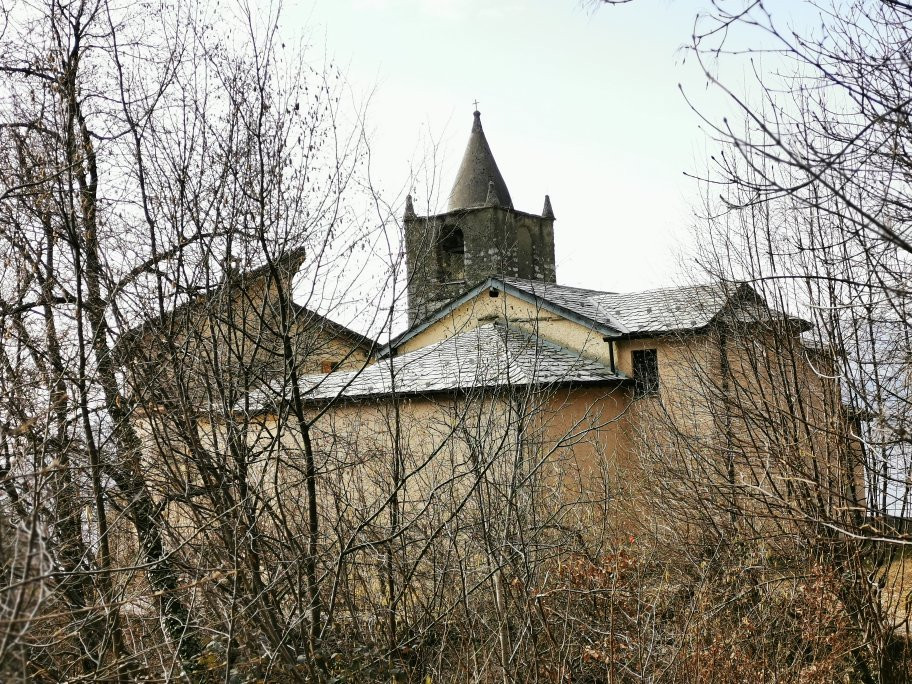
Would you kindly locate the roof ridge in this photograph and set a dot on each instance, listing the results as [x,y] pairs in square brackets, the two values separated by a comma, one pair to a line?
[549,284]
[668,288]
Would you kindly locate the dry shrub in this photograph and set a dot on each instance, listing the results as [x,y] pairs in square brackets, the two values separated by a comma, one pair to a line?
[651,614]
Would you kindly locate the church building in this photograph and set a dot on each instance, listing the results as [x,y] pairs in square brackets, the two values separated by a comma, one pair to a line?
[496,346]
[515,421]
[485,271]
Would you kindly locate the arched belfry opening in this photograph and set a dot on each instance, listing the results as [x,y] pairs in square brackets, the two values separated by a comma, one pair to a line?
[524,253]
[451,255]
[481,234]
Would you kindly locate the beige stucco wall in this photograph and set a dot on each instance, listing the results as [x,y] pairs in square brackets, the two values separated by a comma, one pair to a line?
[520,314]
[583,453]
[772,423]
[326,347]
[569,435]
[556,448]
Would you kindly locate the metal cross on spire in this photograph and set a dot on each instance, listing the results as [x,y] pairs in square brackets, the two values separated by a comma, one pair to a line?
[476,105]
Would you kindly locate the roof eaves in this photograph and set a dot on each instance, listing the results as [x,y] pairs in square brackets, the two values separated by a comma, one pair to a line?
[607,330]
[339,329]
[469,210]
[745,289]
[198,296]
[439,313]
[664,332]
[458,391]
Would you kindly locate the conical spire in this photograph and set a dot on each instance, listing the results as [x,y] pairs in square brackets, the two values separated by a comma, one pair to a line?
[547,212]
[477,170]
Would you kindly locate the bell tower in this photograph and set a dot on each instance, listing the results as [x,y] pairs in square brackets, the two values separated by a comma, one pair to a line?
[478,236]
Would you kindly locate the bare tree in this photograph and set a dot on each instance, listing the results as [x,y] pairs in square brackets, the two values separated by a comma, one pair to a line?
[146,162]
[191,488]
[206,478]
[807,202]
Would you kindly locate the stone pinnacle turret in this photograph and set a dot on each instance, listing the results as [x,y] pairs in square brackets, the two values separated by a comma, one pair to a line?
[492,200]
[547,211]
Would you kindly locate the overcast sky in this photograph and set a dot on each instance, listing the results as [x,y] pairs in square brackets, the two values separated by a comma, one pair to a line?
[577,102]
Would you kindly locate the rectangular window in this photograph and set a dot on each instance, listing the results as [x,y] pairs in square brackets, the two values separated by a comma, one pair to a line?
[329,366]
[645,372]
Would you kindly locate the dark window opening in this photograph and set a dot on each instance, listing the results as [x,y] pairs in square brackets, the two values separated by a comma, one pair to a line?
[451,256]
[645,372]
[329,366]
[525,250]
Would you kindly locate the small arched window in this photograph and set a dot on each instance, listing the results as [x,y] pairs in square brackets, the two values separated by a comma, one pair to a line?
[451,255]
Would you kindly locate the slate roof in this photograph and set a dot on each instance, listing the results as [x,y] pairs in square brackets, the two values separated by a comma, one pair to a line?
[649,311]
[286,264]
[486,356]
[612,314]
